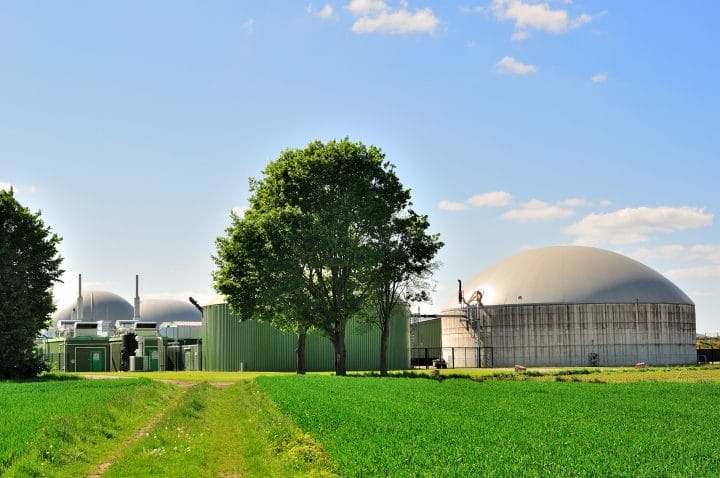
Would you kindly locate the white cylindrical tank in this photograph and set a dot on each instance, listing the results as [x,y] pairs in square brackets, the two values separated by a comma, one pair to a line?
[569,305]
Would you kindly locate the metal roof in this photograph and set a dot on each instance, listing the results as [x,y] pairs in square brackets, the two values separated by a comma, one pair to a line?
[570,275]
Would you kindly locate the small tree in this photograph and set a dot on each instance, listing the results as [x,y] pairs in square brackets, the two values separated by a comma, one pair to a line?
[259,284]
[404,262]
[29,265]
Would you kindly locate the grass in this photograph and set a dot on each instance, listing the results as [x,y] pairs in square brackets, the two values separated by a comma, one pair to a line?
[213,432]
[406,427]
[63,427]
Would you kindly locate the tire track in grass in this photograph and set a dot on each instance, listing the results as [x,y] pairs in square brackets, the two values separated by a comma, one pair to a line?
[118,452]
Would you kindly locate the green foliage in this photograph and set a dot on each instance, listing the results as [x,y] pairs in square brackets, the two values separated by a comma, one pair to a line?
[63,427]
[406,427]
[306,253]
[29,265]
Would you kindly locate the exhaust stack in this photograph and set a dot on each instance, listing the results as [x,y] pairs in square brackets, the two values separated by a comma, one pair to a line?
[137,297]
[79,309]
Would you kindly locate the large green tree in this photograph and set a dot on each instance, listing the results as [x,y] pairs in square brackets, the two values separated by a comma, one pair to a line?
[405,259]
[318,211]
[29,265]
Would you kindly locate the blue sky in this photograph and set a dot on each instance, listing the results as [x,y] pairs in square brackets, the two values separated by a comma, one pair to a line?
[134,126]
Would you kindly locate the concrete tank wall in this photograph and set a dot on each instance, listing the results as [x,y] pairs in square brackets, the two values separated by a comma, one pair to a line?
[570,335]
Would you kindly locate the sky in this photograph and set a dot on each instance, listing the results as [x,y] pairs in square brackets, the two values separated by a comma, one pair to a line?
[134,126]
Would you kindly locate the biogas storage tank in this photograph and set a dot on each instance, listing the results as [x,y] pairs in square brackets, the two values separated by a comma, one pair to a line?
[569,306]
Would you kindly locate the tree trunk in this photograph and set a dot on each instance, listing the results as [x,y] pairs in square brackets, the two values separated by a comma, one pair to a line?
[383,350]
[300,353]
[340,355]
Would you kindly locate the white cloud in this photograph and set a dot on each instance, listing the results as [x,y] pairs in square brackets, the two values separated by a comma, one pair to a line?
[510,65]
[536,210]
[366,7]
[698,252]
[374,16]
[700,272]
[576,202]
[633,225]
[520,36]
[324,13]
[248,25]
[452,205]
[605,203]
[5,186]
[599,78]
[490,199]
[538,16]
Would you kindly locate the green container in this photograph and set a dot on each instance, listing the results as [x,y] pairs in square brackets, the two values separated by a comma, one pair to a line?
[232,345]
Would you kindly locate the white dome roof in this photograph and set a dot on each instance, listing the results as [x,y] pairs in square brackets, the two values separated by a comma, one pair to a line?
[97,305]
[570,275]
[168,310]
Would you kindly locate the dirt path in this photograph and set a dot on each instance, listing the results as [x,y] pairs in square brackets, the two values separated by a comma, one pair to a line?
[103,467]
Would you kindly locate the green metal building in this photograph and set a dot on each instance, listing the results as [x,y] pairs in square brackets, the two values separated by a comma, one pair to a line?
[230,344]
[97,354]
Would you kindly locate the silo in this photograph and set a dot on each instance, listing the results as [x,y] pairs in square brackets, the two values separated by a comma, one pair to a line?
[569,306]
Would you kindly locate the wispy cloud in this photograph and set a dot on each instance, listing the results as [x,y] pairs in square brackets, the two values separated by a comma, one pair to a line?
[325,13]
[599,78]
[520,36]
[375,16]
[446,205]
[633,225]
[510,65]
[699,252]
[536,210]
[537,16]
[490,199]
[699,272]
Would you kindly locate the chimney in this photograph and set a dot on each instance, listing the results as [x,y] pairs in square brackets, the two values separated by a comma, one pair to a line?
[79,299]
[137,297]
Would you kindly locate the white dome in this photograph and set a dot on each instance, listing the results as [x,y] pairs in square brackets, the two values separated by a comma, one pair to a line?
[168,310]
[97,305]
[571,275]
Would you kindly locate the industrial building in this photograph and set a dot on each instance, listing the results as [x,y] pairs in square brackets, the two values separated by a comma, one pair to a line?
[230,344]
[101,331]
[554,306]
[568,306]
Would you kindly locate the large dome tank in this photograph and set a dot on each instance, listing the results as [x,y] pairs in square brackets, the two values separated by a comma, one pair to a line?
[571,275]
[97,305]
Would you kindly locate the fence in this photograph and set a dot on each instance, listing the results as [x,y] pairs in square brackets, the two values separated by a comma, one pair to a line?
[455,357]
[708,355]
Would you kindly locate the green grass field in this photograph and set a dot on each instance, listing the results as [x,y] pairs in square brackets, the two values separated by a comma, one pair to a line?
[550,422]
[61,427]
[417,427]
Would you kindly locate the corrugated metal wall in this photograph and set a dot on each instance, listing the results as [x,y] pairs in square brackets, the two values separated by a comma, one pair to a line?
[576,334]
[228,343]
[428,334]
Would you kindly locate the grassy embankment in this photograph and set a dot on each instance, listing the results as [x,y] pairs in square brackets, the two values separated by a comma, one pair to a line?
[411,427]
